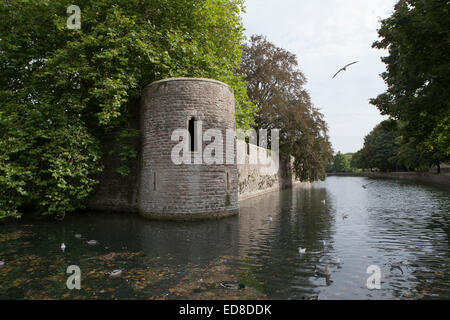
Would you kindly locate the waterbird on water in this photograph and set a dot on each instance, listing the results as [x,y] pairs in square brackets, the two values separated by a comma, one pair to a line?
[335,261]
[115,273]
[397,265]
[233,286]
[311,298]
[365,185]
[108,257]
[301,250]
[344,68]
[63,247]
[323,271]
[270,218]
[330,261]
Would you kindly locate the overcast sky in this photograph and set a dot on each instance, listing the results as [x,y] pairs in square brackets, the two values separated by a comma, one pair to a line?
[326,35]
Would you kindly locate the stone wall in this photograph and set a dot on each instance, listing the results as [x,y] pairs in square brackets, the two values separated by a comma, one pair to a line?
[255,179]
[116,192]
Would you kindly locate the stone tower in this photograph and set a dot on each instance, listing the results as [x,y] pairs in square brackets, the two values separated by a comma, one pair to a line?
[168,190]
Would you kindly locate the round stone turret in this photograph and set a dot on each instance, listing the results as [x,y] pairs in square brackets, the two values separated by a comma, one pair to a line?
[188,191]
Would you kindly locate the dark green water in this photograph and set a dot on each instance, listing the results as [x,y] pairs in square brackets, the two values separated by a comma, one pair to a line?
[401,228]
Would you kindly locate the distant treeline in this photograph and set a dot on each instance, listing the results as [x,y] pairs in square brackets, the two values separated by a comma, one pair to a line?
[385,150]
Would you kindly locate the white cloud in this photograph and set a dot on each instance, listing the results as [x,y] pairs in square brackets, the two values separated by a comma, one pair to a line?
[325,35]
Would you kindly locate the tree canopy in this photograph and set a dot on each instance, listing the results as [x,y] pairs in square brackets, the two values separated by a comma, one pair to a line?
[418,75]
[380,148]
[61,89]
[276,85]
[340,163]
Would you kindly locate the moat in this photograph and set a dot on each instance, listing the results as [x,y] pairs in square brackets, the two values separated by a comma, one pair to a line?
[403,228]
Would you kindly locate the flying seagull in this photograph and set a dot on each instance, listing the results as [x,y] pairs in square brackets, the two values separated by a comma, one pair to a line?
[344,68]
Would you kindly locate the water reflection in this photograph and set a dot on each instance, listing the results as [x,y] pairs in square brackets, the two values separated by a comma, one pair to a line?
[293,244]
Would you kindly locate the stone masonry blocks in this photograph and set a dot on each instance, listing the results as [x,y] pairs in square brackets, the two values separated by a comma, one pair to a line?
[186,191]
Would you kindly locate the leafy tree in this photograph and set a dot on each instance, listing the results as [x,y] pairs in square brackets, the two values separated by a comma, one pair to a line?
[385,148]
[357,161]
[340,163]
[348,156]
[62,90]
[276,85]
[380,148]
[417,75]
[412,156]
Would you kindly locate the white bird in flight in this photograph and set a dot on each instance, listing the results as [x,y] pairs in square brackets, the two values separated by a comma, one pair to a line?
[344,68]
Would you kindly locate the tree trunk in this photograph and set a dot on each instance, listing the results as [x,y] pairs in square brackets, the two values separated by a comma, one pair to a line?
[438,168]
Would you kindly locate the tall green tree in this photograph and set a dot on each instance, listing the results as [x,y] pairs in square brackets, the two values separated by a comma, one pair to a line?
[61,90]
[381,146]
[340,163]
[276,85]
[385,148]
[418,74]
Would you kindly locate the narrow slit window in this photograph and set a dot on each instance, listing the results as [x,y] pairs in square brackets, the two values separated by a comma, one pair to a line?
[191,128]
[228,181]
[154,180]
